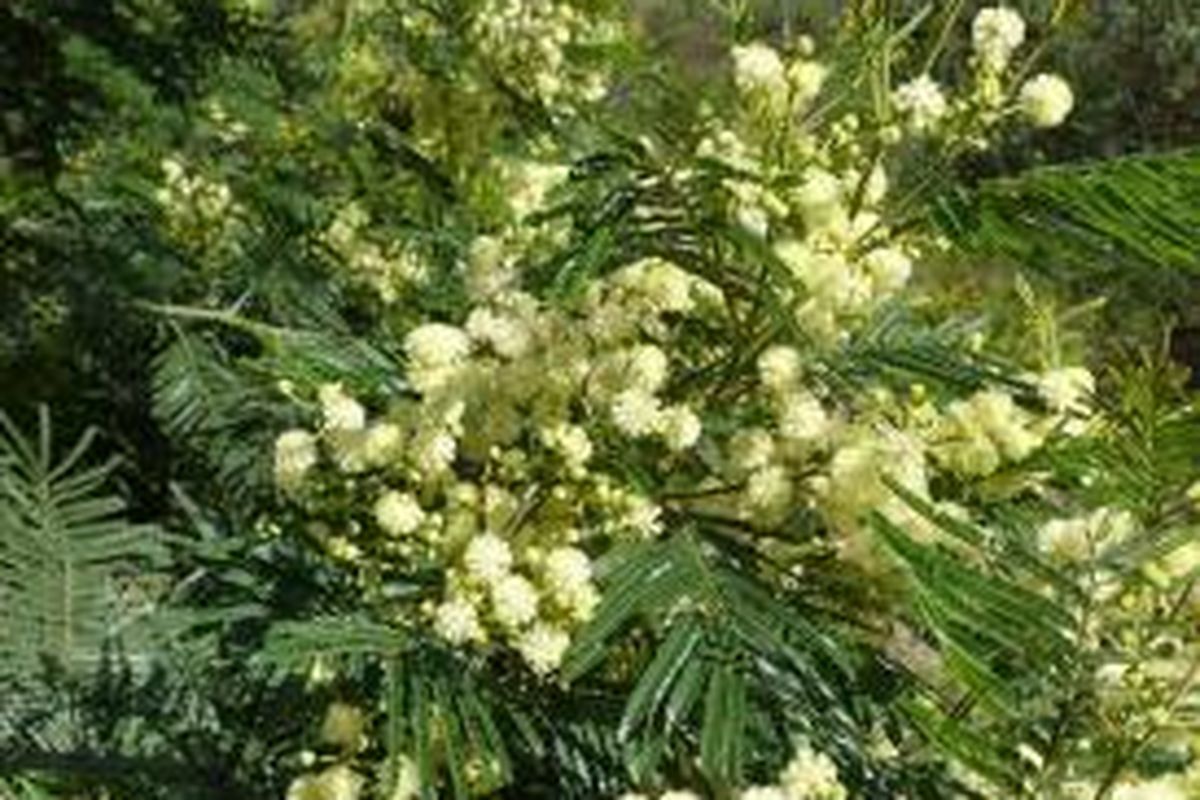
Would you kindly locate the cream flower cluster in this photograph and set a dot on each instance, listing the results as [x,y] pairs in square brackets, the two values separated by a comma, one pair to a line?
[809,775]
[997,33]
[387,271]
[1066,390]
[1172,786]
[861,473]
[768,460]
[486,469]
[628,382]
[921,102]
[838,260]
[528,40]
[1046,100]
[1076,539]
[533,609]
[506,462]
[806,184]
[196,206]
[848,461]
[977,435]
[338,782]
[344,729]
[529,183]
[1140,633]
[773,86]
[492,467]
[295,454]
[528,188]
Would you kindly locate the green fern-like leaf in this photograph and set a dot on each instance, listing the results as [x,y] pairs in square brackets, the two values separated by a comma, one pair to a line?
[63,548]
[729,650]
[294,643]
[1136,217]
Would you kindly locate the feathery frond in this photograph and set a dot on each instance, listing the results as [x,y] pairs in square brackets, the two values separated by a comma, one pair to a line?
[1129,219]
[64,551]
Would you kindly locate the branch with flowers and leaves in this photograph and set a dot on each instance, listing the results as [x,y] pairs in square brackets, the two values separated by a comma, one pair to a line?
[556,426]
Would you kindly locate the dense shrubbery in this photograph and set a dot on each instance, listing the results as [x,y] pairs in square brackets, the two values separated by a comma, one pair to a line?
[517,398]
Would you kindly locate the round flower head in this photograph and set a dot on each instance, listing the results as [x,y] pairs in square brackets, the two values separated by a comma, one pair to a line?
[1111,525]
[643,517]
[571,442]
[295,455]
[1169,787]
[488,269]
[531,185]
[398,513]
[669,287]
[830,280]
[581,602]
[487,558]
[1183,561]
[647,368]
[382,443]
[863,470]
[806,78]
[457,621]
[768,491]
[514,601]
[779,368]
[813,776]
[1046,100]
[996,34]
[435,453]
[338,782]
[508,337]
[566,569]
[819,197]
[876,187]
[1067,388]
[751,449]
[679,427]
[343,726]
[433,351]
[1065,539]
[543,647]
[889,268]
[758,71]
[802,417]
[1005,422]
[340,411]
[635,412]
[921,101]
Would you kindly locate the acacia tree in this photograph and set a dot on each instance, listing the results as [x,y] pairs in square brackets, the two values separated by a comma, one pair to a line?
[549,424]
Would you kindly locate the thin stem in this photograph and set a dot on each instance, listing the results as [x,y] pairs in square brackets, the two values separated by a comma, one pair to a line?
[268,333]
[943,36]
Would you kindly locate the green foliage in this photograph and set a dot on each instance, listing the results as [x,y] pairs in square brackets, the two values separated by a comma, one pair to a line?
[990,631]
[197,664]
[1125,224]
[69,562]
[729,651]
